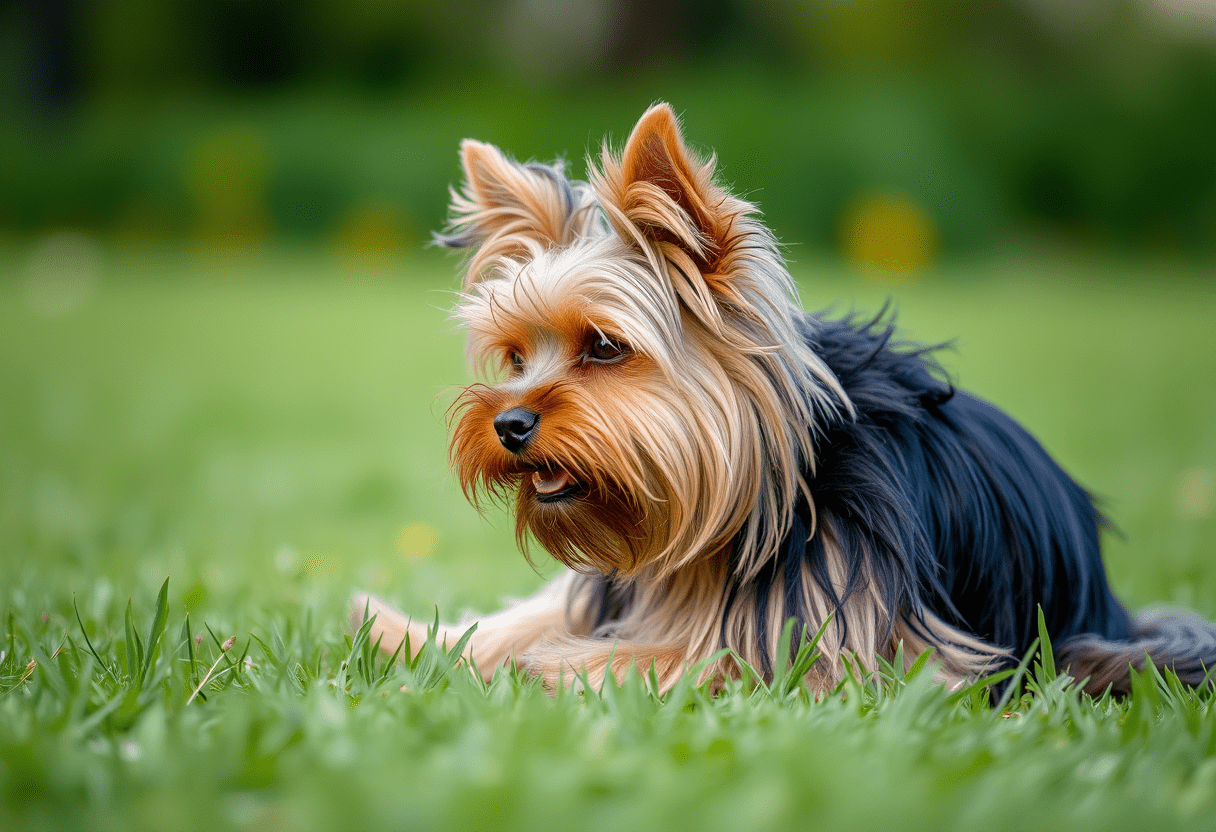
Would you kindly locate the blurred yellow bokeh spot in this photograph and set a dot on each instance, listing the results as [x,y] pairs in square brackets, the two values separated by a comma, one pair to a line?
[888,235]
[227,179]
[416,541]
[1195,493]
[317,565]
[372,234]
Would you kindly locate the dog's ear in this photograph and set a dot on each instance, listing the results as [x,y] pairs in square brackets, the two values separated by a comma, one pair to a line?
[511,209]
[662,197]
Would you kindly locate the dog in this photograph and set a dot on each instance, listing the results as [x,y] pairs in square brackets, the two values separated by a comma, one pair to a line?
[709,461]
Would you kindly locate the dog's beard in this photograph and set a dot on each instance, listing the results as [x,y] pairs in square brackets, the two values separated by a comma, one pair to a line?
[589,511]
[600,527]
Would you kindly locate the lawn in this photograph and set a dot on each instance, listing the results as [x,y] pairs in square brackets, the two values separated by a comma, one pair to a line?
[267,433]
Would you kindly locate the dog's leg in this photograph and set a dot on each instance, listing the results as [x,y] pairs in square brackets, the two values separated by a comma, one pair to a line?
[498,638]
[563,660]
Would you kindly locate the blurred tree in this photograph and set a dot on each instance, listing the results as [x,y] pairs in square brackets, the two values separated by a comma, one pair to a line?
[1093,120]
[56,72]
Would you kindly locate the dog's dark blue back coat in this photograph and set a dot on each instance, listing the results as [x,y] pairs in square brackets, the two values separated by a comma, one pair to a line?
[957,508]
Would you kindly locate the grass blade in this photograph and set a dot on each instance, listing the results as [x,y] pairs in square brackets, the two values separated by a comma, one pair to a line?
[156,630]
[135,647]
[1015,682]
[190,654]
[1047,658]
[104,666]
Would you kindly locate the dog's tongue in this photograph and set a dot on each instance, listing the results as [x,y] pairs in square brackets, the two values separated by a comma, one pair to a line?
[551,482]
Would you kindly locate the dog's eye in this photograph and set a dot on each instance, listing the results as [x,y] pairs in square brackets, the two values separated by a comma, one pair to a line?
[517,360]
[605,351]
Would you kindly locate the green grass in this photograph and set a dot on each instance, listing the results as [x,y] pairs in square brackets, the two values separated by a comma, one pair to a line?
[268,434]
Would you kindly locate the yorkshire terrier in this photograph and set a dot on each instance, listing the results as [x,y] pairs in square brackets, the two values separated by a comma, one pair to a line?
[709,461]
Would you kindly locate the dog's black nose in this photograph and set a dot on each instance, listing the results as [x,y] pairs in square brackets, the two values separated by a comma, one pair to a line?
[515,428]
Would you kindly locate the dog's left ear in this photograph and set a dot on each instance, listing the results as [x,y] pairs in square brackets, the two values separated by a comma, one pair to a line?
[510,209]
[662,197]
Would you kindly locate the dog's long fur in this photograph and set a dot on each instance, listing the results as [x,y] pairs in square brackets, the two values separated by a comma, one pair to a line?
[723,461]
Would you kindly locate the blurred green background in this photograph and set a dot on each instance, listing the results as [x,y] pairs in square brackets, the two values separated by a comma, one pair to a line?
[223,344]
[225,357]
[886,132]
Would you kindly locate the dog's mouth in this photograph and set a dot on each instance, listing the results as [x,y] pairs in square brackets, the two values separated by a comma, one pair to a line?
[555,485]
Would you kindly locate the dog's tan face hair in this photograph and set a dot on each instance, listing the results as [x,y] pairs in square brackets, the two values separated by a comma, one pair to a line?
[642,328]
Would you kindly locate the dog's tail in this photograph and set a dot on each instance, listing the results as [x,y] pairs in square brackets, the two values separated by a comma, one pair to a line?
[1171,639]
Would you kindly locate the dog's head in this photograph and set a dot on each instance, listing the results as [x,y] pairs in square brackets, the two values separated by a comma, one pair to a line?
[651,397]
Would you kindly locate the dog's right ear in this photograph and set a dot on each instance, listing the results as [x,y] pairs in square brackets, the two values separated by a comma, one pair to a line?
[507,209]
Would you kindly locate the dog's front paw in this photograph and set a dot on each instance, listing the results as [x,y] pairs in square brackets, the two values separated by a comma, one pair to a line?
[391,626]
[363,606]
